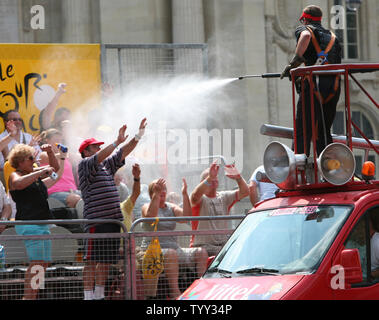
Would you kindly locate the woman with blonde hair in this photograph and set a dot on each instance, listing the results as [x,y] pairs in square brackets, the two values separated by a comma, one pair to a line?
[27,186]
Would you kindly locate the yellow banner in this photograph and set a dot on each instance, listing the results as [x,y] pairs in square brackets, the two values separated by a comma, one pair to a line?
[30,75]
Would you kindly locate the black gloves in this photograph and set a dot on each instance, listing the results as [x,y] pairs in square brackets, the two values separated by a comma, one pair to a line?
[295,62]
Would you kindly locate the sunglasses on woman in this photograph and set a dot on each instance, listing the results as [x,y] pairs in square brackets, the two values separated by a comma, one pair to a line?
[15,119]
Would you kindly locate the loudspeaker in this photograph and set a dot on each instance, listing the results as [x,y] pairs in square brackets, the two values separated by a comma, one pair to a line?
[336,163]
[280,164]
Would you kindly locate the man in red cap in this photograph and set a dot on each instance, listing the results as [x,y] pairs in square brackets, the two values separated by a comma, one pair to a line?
[101,201]
[315,46]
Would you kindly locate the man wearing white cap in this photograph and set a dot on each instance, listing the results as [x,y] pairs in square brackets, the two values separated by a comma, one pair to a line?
[102,201]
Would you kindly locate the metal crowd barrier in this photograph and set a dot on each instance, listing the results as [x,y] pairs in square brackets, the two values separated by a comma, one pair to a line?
[63,277]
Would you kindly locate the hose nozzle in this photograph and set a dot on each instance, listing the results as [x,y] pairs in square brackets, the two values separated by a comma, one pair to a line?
[264,75]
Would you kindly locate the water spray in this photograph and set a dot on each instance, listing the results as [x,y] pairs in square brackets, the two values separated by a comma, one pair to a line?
[264,75]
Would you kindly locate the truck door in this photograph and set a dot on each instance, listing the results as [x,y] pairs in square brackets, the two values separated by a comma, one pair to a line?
[364,237]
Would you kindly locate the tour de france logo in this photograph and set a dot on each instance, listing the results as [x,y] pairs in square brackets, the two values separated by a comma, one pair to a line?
[24,93]
[152,263]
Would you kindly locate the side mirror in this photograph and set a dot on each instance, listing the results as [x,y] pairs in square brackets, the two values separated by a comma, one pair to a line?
[210,260]
[351,263]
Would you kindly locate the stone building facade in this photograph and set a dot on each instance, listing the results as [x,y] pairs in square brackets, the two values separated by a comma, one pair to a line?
[243,37]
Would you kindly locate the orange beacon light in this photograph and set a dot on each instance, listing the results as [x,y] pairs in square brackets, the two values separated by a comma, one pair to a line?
[368,170]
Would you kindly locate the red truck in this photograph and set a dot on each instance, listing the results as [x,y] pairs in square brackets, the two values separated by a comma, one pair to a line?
[318,238]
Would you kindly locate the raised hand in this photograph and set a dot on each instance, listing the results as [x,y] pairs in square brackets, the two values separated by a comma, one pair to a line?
[62,87]
[141,130]
[12,128]
[184,186]
[143,124]
[35,140]
[231,171]
[213,170]
[121,135]
[136,171]
[160,186]
[47,148]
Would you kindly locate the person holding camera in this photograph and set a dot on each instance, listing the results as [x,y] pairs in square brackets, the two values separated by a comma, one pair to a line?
[65,189]
[28,188]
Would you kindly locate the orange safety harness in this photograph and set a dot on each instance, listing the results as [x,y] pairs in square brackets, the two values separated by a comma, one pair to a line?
[323,59]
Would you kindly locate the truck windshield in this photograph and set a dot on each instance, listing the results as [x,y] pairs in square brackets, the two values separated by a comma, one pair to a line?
[280,241]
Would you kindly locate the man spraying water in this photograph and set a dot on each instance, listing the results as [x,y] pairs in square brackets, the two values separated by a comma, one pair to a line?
[315,46]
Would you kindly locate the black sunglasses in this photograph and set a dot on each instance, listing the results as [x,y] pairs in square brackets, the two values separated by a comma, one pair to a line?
[15,119]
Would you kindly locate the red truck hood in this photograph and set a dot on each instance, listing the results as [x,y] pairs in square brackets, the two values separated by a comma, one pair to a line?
[241,288]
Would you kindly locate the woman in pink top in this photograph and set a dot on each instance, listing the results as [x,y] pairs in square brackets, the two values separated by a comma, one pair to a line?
[65,188]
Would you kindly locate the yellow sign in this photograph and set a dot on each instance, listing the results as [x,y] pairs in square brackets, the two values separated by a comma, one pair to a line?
[30,75]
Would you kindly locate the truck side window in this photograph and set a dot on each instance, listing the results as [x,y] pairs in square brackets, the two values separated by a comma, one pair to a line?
[357,240]
[374,242]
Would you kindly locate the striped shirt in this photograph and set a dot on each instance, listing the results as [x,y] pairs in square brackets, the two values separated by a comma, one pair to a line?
[99,192]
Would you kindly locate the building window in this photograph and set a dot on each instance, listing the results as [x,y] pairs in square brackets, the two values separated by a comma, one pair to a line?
[348,34]
[361,120]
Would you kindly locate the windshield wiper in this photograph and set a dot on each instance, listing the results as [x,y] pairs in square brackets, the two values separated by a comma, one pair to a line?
[259,270]
[225,273]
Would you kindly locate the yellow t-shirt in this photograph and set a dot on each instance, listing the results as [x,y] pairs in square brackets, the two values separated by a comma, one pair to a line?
[8,169]
[127,209]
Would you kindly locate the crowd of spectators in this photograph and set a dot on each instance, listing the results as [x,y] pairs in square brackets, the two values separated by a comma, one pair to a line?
[96,176]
